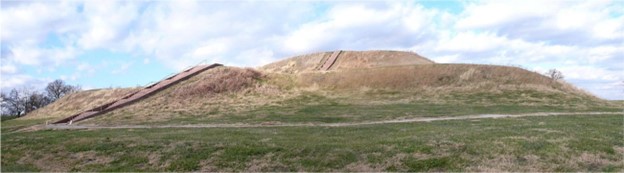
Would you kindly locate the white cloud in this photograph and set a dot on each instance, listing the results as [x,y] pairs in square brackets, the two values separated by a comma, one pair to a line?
[601,54]
[447,59]
[122,68]
[561,22]
[582,38]
[182,33]
[604,89]
[7,68]
[14,81]
[85,68]
[592,73]
[260,56]
[34,56]
[107,22]
[362,26]
[486,14]
[30,23]
[471,42]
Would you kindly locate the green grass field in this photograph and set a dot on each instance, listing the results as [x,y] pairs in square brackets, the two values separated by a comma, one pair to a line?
[318,108]
[527,144]
[553,143]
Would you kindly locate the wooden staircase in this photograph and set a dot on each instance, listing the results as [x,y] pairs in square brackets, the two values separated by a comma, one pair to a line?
[138,95]
[330,61]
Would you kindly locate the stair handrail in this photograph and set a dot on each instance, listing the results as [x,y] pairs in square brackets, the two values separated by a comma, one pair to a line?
[202,62]
[150,83]
[175,73]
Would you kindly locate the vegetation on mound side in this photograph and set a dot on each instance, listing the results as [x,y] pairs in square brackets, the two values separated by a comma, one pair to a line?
[355,95]
[230,94]
[529,144]
[374,105]
[468,76]
[219,80]
[77,102]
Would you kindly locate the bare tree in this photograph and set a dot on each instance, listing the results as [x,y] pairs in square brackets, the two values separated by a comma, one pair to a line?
[25,100]
[554,74]
[13,103]
[35,100]
[22,101]
[57,89]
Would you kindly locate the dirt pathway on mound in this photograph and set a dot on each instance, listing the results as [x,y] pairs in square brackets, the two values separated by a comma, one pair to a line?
[240,125]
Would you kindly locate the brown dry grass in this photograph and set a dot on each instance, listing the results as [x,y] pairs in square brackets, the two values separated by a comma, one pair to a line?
[222,89]
[296,64]
[227,80]
[417,78]
[435,75]
[78,102]
[231,90]
[532,163]
[375,59]
[358,78]
[464,77]
[346,60]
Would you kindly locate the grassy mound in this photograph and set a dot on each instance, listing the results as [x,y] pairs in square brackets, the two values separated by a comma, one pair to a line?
[66,106]
[347,60]
[216,90]
[362,86]
[78,102]
[236,95]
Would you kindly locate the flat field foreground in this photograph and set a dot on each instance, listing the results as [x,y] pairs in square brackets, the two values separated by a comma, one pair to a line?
[545,143]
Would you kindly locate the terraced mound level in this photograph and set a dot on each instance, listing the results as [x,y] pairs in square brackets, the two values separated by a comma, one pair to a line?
[339,60]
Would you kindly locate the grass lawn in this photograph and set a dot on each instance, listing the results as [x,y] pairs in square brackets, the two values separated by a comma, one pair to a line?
[316,108]
[344,113]
[553,143]
[20,123]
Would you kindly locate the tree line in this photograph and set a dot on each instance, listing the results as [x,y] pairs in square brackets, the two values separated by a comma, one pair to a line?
[19,102]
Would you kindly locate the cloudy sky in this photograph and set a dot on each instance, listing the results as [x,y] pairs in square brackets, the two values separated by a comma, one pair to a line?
[99,44]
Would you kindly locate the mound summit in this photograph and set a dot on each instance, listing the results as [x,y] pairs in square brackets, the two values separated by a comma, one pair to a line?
[347,60]
[331,86]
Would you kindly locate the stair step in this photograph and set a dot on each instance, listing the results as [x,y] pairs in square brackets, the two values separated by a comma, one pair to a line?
[332,59]
[138,95]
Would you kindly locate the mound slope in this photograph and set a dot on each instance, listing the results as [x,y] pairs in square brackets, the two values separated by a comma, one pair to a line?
[360,85]
[78,102]
[221,89]
[467,76]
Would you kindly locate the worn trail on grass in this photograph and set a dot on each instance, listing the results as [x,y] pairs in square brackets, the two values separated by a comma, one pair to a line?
[240,125]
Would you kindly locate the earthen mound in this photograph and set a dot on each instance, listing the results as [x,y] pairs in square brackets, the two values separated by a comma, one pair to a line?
[345,60]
